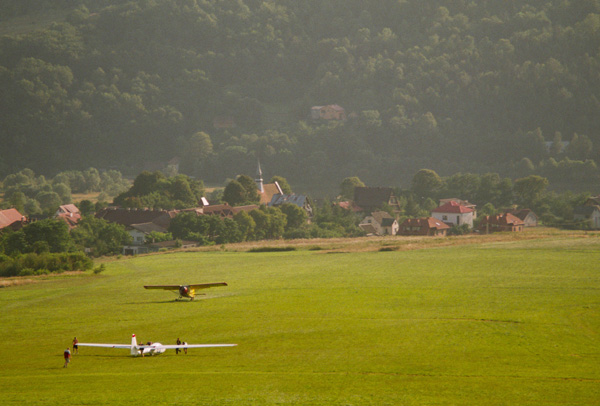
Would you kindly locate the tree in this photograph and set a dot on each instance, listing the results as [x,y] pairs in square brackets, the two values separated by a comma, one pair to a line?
[348,185]
[234,193]
[295,216]
[251,195]
[100,236]
[426,182]
[283,184]
[529,190]
[246,225]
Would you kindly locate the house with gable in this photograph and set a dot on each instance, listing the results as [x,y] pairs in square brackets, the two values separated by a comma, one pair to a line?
[500,222]
[127,217]
[454,214]
[428,226]
[464,203]
[69,213]
[11,218]
[371,199]
[589,214]
[528,217]
[379,223]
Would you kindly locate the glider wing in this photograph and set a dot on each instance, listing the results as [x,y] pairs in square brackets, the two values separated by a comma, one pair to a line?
[128,346]
[172,347]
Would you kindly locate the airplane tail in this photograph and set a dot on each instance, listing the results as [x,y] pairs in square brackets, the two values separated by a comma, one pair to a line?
[134,346]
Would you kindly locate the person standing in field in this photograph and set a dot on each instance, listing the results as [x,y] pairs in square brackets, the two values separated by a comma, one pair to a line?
[75,347]
[67,356]
[178,343]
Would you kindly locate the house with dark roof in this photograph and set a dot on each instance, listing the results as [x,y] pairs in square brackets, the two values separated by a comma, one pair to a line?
[454,214]
[379,223]
[500,222]
[127,217]
[301,201]
[589,214]
[370,199]
[528,217]
[11,218]
[428,226]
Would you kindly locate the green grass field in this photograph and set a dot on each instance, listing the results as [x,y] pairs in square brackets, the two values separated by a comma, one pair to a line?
[503,323]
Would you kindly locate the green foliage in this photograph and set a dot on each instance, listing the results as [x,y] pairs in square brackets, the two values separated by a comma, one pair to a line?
[424,84]
[43,263]
[154,189]
[100,236]
[348,185]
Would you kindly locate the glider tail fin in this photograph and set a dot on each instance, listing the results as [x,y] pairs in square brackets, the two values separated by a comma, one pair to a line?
[134,347]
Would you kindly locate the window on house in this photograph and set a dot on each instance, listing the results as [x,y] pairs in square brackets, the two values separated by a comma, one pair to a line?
[444,217]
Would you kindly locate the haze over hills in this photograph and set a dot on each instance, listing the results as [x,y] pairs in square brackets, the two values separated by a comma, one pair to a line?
[452,85]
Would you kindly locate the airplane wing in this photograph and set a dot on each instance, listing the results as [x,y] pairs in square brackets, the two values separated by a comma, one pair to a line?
[181,346]
[128,346]
[165,287]
[207,285]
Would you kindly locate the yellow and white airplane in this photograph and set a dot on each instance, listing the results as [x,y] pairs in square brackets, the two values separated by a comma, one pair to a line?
[188,291]
[151,348]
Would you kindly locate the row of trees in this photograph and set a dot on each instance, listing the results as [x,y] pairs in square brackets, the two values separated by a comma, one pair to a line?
[38,196]
[445,84]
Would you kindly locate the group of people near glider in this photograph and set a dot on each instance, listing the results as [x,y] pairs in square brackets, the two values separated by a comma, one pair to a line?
[151,348]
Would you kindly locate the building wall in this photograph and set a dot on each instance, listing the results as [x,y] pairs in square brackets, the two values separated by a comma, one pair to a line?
[456,219]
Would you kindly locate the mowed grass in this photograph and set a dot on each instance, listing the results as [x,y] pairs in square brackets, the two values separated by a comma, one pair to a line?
[513,323]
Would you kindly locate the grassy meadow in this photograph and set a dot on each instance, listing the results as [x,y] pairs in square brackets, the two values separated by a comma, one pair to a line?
[486,323]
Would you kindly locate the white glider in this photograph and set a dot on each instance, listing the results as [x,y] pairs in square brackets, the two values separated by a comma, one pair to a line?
[151,349]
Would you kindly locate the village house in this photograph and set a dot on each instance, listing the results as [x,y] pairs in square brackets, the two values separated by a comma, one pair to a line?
[589,214]
[454,214]
[379,223]
[370,199]
[428,226]
[329,112]
[528,217]
[70,214]
[500,222]
[127,217]
[464,203]
[11,218]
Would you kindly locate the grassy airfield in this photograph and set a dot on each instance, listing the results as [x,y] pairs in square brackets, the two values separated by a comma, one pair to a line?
[492,322]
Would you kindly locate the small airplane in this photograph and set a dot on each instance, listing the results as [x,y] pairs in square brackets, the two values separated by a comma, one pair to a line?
[153,348]
[188,291]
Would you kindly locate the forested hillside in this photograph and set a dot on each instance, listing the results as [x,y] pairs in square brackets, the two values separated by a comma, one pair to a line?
[509,86]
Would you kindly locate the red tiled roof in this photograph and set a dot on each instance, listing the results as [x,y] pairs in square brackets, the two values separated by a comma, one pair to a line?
[10,216]
[429,222]
[452,207]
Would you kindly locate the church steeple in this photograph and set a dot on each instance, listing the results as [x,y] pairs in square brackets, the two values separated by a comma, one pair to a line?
[259,179]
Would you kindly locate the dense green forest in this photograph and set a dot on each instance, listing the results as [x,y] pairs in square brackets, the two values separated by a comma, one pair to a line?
[508,87]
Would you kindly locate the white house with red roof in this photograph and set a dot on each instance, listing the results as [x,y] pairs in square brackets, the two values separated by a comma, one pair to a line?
[454,214]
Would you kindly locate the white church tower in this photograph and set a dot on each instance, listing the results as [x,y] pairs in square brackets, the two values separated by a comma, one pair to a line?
[259,179]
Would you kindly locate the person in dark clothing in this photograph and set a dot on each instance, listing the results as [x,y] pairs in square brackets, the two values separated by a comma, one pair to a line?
[178,343]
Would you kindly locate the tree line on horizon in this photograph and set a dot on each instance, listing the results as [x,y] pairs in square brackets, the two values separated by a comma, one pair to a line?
[454,85]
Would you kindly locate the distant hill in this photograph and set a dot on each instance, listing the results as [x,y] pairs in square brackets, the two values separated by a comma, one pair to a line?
[455,86]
